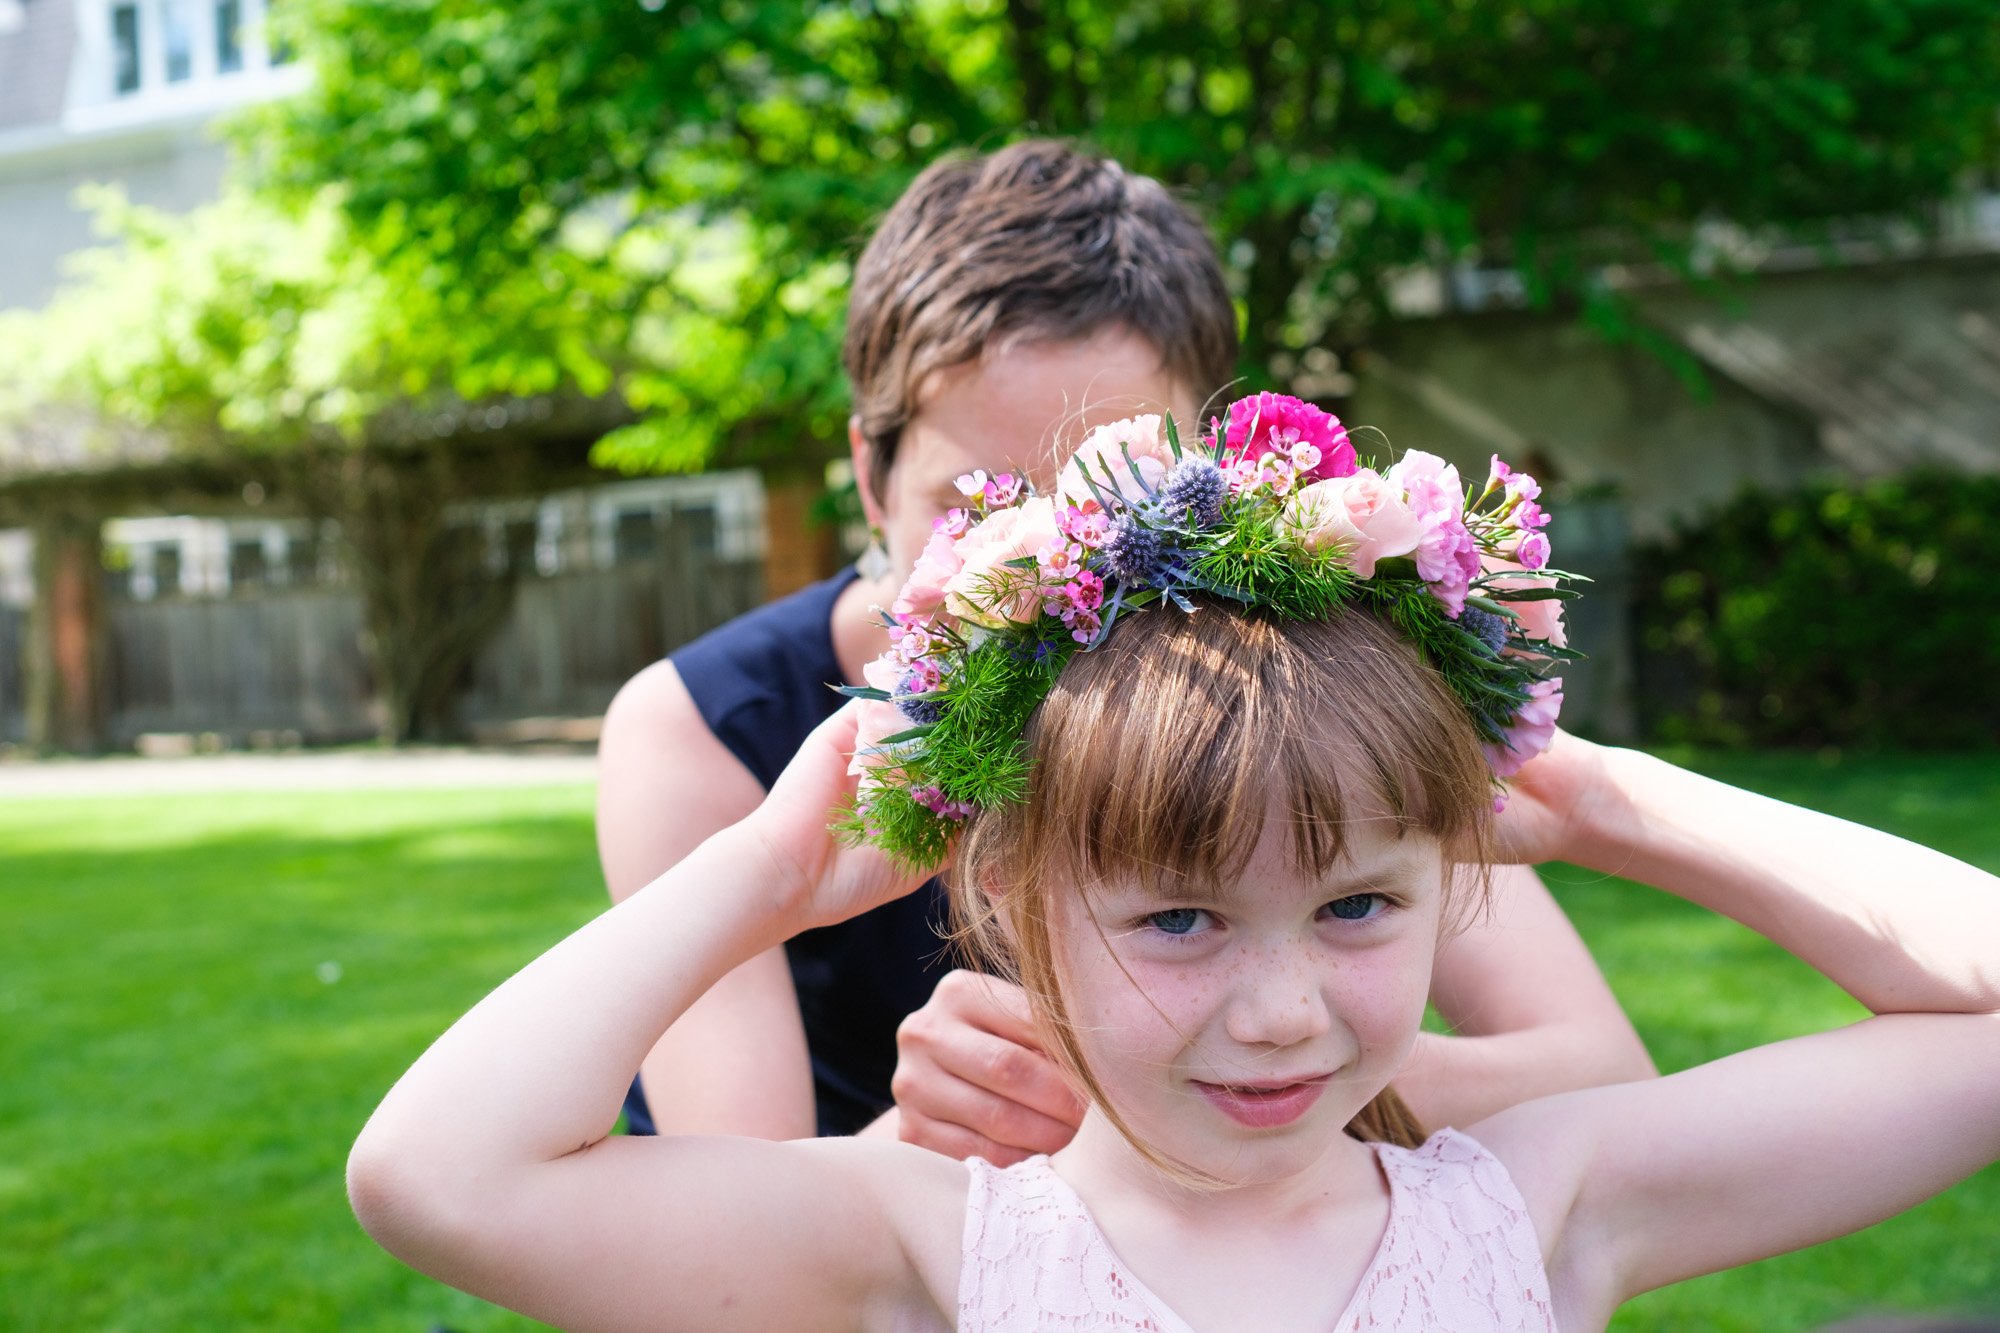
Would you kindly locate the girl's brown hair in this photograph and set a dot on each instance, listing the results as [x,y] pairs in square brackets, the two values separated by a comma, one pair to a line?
[1158,758]
[1039,240]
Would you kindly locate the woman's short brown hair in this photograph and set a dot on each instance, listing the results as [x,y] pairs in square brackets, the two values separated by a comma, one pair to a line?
[1039,240]
[1160,756]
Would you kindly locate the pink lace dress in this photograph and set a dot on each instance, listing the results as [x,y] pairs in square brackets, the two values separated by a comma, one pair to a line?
[1459,1253]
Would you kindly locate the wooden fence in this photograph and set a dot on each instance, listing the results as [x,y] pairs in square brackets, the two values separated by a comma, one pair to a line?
[289,662]
[13,689]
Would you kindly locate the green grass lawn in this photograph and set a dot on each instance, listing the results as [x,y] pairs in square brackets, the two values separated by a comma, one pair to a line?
[201,999]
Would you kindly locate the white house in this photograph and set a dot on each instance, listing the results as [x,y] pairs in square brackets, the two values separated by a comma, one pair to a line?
[116,90]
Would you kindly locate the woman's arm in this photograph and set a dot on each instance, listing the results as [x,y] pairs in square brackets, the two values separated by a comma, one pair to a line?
[526,1202]
[1644,1184]
[1530,1013]
[736,1061]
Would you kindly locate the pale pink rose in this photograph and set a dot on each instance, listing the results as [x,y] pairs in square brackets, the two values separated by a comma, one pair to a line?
[1531,731]
[877,719]
[923,592]
[1361,514]
[1539,620]
[1004,535]
[1104,450]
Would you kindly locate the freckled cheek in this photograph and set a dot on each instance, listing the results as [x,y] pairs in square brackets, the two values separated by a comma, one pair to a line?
[1380,995]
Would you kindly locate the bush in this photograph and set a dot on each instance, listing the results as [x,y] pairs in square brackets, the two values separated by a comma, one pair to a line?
[1849,613]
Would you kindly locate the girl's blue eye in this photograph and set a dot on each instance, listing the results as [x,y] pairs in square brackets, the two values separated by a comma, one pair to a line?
[1175,920]
[1356,907]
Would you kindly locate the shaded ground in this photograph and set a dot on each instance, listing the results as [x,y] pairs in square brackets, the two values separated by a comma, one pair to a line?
[441,769]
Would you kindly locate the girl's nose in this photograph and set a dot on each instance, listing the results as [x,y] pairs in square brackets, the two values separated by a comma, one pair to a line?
[1276,1005]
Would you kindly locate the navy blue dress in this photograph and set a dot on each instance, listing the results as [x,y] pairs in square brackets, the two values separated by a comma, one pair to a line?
[761,683]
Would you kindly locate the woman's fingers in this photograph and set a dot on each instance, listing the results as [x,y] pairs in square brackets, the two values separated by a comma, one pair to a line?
[969,1058]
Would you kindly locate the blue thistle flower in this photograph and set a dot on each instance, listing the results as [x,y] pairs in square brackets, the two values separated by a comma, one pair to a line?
[1484,626]
[1134,551]
[1194,490]
[914,704]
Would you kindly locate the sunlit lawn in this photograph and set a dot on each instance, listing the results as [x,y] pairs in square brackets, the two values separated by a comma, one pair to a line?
[201,998]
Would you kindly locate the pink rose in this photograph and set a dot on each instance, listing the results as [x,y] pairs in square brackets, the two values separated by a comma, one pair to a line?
[1104,451]
[923,592]
[1531,731]
[1004,535]
[1311,438]
[1361,514]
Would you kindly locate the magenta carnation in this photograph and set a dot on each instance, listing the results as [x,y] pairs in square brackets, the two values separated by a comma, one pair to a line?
[1274,423]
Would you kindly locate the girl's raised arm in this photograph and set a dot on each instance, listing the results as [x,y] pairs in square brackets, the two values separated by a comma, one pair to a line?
[488,1165]
[1640,1185]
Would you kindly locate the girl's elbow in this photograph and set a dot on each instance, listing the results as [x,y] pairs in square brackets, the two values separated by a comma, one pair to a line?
[405,1205]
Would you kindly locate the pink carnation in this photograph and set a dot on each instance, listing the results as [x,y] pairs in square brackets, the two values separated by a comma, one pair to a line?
[1447,556]
[923,592]
[1541,620]
[1310,438]
[1531,730]
[1004,535]
[1362,515]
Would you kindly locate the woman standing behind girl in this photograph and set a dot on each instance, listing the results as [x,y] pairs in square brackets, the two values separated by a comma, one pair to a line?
[1223,887]
[1004,299]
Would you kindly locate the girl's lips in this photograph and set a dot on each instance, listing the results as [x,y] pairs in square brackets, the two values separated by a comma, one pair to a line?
[1267,1106]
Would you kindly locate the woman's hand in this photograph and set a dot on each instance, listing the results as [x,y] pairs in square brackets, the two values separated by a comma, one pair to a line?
[818,880]
[971,1078]
[1554,803]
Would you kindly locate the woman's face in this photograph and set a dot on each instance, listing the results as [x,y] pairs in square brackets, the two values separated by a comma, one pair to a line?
[1239,1031]
[1007,411]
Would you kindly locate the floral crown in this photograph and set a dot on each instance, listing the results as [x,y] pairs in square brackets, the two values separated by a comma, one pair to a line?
[1271,510]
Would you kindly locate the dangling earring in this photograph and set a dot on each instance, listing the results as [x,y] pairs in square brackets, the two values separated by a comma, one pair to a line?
[873,566]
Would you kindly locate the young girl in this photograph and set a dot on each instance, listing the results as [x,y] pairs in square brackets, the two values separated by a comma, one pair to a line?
[1217,862]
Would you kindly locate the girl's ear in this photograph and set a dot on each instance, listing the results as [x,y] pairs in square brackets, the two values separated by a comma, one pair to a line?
[862,454]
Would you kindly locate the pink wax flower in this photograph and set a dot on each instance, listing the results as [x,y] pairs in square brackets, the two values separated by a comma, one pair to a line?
[933,800]
[1447,556]
[1083,625]
[923,592]
[1088,525]
[1531,731]
[1278,423]
[1103,452]
[1360,514]
[1060,560]
[1532,550]
[953,522]
[1004,535]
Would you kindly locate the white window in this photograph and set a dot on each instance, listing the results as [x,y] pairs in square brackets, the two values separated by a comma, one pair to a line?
[137,59]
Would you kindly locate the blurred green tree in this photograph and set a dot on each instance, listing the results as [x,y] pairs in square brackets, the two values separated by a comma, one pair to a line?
[1332,148]
[265,343]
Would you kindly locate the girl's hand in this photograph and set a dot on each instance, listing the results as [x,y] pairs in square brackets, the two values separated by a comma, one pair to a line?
[1553,803]
[821,881]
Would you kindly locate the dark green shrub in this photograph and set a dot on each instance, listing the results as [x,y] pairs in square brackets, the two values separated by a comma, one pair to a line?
[1849,613]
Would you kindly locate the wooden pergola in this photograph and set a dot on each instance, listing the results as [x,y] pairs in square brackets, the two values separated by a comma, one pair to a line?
[63,474]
